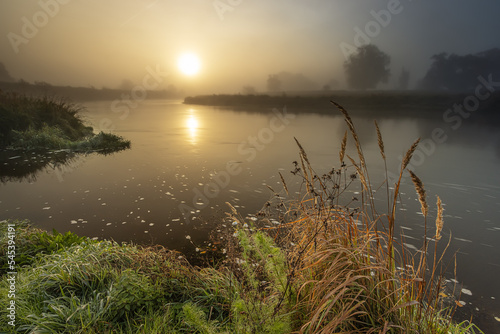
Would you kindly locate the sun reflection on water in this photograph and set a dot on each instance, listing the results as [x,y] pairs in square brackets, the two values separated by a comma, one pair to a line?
[192,125]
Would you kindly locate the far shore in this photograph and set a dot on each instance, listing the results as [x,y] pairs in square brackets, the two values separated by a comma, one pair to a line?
[383,103]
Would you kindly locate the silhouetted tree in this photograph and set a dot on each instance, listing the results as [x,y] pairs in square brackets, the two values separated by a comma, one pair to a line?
[4,74]
[404,79]
[460,73]
[249,90]
[273,83]
[367,67]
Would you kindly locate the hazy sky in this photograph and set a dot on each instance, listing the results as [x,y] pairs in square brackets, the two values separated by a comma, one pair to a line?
[241,42]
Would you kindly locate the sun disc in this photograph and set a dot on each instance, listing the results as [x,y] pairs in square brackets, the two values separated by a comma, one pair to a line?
[189,64]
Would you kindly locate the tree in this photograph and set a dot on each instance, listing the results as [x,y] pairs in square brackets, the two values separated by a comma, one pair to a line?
[273,83]
[367,67]
[249,90]
[4,74]
[459,73]
[126,84]
[404,79]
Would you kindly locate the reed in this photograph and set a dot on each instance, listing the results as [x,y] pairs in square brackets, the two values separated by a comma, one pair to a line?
[380,140]
[346,275]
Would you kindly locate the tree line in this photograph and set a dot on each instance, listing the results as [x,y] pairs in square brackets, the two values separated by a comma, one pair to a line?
[369,67]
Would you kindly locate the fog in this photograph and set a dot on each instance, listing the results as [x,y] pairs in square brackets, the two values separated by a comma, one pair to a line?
[239,42]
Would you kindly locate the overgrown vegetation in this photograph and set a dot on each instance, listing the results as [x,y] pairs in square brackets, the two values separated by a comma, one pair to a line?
[331,264]
[47,123]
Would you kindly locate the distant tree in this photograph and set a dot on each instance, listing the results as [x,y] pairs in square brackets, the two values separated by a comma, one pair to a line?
[273,83]
[4,74]
[367,67]
[295,81]
[126,84]
[43,84]
[172,90]
[333,83]
[249,90]
[404,79]
[327,87]
[23,84]
[459,73]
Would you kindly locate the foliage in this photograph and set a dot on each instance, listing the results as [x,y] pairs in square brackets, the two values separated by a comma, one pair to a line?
[47,123]
[4,74]
[273,83]
[287,81]
[21,113]
[459,73]
[32,242]
[263,270]
[367,67]
[404,79]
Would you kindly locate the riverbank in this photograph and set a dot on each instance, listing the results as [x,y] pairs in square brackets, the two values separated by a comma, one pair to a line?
[48,123]
[82,94]
[374,103]
[70,284]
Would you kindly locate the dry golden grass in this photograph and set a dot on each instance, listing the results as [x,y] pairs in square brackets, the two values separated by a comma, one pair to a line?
[345,274]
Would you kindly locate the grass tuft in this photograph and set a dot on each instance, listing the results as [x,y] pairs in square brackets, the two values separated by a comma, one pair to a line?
[30,123]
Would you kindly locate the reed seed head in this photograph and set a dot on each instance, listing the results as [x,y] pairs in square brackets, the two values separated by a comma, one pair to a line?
[439,219]
[419,187]
[380,141]
[343,147]
[302,151]
[350,124]
[284,183]
[232,208]
[409,154]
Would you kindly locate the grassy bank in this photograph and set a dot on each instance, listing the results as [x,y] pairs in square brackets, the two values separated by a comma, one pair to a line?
[47,123]
[330,264]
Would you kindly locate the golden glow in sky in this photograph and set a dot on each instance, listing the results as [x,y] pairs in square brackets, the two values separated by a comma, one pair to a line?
[189,64]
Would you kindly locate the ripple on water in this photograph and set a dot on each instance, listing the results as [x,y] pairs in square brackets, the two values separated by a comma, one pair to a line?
[461,239]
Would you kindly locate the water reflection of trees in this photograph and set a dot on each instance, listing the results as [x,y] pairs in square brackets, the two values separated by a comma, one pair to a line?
[25,166]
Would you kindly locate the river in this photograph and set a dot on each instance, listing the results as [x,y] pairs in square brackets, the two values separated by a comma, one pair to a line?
[186,161]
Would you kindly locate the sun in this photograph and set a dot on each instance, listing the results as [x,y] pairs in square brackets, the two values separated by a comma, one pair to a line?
[189,64]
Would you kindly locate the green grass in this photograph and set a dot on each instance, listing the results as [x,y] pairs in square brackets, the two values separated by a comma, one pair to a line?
[48,123]
[76,285]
